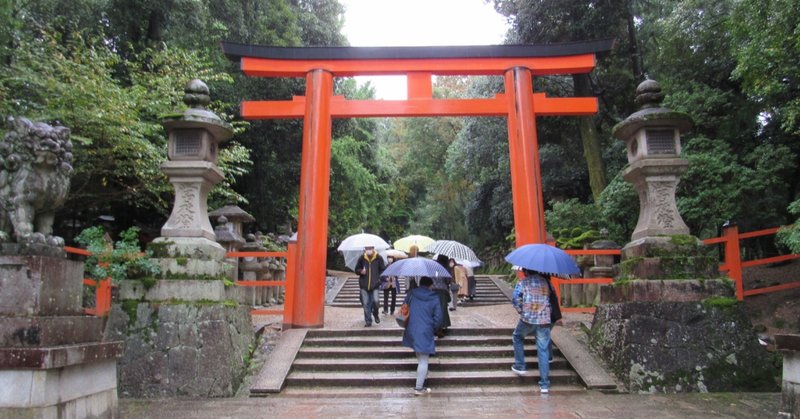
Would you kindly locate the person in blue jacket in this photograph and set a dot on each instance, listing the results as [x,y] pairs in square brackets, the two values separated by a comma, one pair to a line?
[424,319]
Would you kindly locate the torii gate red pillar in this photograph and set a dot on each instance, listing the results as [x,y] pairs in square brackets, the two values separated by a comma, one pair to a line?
[312,223]
[517,63]
[523,150]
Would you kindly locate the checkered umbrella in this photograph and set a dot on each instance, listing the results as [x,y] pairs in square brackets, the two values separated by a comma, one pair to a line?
[453,249]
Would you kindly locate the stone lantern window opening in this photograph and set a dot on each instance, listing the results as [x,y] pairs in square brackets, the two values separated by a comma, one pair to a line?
[655,142]
[662,141]
[192,144]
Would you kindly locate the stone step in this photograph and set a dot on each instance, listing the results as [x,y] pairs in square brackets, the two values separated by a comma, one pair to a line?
[394,391]
[397,351]
[487,293]
[410,364]
[398,332]
[381,341]
[435,378]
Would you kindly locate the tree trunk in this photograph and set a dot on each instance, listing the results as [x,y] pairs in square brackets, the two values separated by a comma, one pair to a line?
[636,57]
[590,139]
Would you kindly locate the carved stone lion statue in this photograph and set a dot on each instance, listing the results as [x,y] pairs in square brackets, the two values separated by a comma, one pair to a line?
[35,166]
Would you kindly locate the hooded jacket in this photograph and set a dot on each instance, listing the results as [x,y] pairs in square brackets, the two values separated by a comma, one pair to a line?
[374,266]
[425,317]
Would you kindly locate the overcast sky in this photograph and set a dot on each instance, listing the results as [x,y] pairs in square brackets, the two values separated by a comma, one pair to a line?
[379,23]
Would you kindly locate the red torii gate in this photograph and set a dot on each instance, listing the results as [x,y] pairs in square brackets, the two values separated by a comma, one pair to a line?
[319,65]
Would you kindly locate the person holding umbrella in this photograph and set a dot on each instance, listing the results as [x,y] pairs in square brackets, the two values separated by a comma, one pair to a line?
[369,268]
[532,300]
[424,319]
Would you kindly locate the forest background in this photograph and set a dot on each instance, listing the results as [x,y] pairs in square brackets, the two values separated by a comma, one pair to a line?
[110,69]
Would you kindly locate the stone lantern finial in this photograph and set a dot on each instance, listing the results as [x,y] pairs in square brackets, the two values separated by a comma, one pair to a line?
[649,95]
[196,94]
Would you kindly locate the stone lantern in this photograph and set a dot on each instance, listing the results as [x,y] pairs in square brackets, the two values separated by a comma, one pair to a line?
[653,141]
[194,138]
[658,326]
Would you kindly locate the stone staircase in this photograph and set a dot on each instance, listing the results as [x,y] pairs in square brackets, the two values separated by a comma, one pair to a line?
[373,361]
[487,293]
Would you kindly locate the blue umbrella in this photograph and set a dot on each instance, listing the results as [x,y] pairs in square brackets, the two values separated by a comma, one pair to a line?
[417,266]
[543,258]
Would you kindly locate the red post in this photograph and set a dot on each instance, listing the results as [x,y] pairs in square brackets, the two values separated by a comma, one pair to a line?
[288,298]
[103,297]
[523,150]
[312,223]
[733,258]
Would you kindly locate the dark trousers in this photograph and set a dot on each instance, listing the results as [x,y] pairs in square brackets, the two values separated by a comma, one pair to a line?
[386,293]
[473,285]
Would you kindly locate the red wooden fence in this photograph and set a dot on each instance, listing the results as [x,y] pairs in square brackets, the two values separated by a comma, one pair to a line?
[732,264]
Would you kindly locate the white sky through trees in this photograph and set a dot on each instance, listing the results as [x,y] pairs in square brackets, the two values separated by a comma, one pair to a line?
[385,23]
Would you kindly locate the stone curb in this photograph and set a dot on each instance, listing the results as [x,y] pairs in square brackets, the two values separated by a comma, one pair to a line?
[277,365]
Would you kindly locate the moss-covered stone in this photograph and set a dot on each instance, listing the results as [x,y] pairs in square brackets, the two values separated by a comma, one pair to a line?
[130,307]
[682,347]
[159,249]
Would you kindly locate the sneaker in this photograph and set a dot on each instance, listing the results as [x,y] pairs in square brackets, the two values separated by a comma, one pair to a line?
[544,390]
[422,391]
[518,372]
[367,324]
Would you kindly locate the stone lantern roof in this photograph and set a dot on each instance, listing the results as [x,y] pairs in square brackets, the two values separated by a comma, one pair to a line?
[651,114]
[225,233]
[233,213]
[196,97]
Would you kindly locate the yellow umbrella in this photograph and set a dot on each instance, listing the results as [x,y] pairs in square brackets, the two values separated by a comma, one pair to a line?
[404,244]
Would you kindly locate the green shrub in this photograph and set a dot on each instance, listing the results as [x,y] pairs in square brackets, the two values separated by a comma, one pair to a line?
[122,260]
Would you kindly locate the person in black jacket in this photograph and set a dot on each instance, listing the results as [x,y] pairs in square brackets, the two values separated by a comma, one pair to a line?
[369,268]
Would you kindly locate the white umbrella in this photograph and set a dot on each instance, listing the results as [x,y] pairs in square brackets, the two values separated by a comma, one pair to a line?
[362,240]
[453,249]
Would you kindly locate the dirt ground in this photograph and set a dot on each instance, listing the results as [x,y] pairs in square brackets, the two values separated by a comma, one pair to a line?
[777,312]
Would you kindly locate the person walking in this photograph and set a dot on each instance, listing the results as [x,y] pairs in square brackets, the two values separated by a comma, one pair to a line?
[459,291]
[472,285]
[389,285]
[531,299]
[369,268]
[424,319]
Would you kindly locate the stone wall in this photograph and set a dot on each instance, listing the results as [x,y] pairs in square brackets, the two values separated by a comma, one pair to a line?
[181,349]
[683,346]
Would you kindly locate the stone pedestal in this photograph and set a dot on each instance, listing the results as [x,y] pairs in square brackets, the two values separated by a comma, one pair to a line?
[193,181]
[667,257]
[53,360]
[658,346]
[789,345]
[656,180]
[186,334]
[186,348]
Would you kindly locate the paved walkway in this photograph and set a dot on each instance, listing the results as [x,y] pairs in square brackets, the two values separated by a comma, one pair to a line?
[590,405]
[472,403]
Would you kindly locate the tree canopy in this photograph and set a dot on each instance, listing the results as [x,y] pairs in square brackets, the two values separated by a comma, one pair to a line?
[110,69]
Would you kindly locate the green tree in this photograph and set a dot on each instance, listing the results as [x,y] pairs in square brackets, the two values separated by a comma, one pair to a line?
[767,35]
